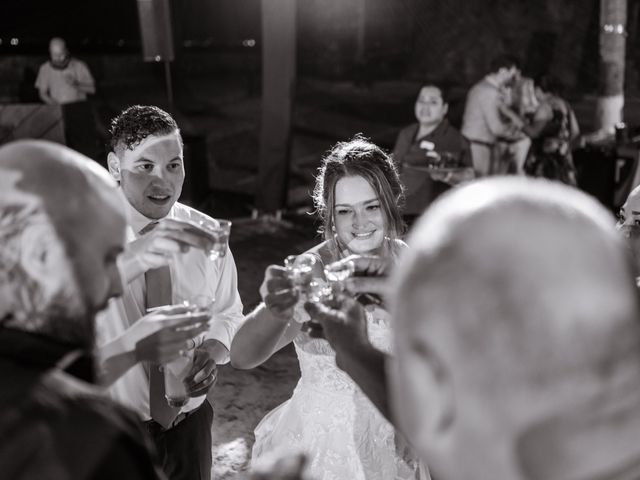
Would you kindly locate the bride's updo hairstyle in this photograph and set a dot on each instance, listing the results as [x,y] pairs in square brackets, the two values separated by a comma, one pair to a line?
[359,157]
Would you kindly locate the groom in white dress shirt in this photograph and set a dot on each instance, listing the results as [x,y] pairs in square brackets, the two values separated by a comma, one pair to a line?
[147,160]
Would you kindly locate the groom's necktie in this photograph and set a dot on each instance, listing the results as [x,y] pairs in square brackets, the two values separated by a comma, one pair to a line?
[158,288]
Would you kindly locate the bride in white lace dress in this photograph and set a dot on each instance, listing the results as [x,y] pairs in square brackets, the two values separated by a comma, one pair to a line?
[328,417]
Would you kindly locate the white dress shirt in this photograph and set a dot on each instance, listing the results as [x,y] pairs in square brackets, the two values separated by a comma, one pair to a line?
[59,83]
[192,273]
[482,120]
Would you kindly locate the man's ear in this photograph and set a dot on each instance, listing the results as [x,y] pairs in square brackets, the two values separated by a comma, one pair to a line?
[445,109]
[43,258]
[114,165]
[423,400]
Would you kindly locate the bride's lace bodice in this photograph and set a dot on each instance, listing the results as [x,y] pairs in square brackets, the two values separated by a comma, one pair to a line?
[317,359]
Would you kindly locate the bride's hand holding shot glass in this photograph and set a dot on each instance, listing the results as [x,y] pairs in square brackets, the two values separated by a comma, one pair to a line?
[279,293]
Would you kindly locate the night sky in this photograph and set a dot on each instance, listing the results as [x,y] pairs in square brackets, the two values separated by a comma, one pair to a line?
[112,25]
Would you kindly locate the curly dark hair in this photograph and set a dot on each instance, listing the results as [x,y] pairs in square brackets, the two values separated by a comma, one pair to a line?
[359,157]
[136,123]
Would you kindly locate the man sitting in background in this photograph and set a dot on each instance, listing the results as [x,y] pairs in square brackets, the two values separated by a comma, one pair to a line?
[430,143]
[63,79]
[517,348]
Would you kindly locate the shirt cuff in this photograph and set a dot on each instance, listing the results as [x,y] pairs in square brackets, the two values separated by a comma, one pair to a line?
[219,332]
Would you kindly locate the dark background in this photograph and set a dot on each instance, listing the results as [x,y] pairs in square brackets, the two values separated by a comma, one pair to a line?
[360,64]
[444,40]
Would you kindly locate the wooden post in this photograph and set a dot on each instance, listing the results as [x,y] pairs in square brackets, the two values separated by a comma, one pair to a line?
[168,83]
[278,90]
[613,20]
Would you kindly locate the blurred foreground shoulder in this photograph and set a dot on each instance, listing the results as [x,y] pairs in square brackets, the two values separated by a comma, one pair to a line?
[65,428]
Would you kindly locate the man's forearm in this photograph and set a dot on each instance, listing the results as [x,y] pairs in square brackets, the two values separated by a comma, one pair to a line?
[86,88]
[113,360]
[46,98]
[366,366]
[217,350]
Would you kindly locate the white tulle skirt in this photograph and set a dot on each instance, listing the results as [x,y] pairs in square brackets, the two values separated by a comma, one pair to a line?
[342,433]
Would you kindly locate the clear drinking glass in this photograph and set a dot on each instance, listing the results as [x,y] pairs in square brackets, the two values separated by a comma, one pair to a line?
[319,291]
[300,271]
[220,230]
[200,303]
[337,273]
[175,371]
[175,391]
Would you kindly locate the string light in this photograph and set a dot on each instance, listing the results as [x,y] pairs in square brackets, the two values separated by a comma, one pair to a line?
[614,28]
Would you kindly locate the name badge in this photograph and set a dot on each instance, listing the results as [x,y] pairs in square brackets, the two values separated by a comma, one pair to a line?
[427,145]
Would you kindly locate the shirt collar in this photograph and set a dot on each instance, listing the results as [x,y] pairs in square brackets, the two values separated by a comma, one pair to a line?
[138,221]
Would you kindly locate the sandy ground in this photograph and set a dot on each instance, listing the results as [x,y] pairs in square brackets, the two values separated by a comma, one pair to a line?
[242,398]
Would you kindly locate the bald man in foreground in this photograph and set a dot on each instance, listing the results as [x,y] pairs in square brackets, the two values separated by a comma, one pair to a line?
[517,337]
[61,231]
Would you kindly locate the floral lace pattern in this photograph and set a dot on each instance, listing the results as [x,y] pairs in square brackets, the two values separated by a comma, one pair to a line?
[330,419]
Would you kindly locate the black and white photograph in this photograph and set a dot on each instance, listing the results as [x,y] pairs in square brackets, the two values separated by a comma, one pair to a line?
[320,240]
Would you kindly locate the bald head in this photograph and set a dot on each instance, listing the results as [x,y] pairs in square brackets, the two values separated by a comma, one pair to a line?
[517,299]
[57,43]
[68,184]
[58,51]
[60,216]
[517,248]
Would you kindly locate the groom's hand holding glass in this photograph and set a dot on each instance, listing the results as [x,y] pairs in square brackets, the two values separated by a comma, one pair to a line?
[204,370]
[196,371]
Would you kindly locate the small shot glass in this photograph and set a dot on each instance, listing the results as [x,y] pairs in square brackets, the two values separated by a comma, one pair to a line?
[220,230]
[300,271]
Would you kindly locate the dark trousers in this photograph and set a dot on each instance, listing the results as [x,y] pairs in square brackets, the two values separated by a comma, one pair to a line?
[185,450]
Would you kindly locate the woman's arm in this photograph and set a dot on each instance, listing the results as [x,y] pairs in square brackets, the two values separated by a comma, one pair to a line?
[260,336]
[541,118]
[270,326]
